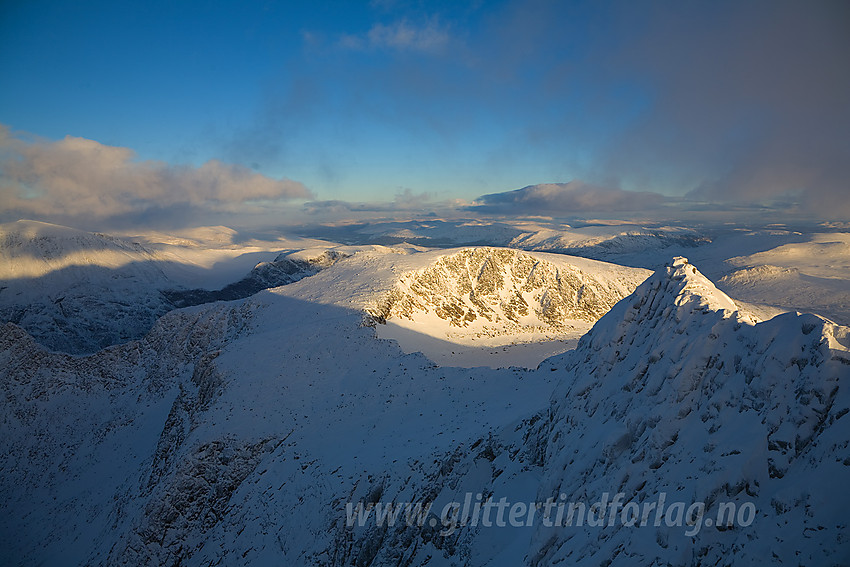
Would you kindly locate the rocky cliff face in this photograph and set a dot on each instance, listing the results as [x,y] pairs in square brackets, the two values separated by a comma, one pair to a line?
[503,291]
[83,437]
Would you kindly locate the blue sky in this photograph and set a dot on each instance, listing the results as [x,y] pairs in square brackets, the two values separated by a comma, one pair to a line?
[362,102]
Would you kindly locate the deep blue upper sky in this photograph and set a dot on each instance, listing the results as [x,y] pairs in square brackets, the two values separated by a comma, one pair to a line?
[362,101]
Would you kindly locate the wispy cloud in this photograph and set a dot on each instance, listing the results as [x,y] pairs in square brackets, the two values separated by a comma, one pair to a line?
[402,35]
[81,177]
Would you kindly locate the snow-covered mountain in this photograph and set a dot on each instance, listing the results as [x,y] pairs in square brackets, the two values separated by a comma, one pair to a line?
[498,306]
[792,267]
[79,292]
[492,290]
[676,392]
[432,232]
[601,240]
[238,432]
[140,452]
[610,243]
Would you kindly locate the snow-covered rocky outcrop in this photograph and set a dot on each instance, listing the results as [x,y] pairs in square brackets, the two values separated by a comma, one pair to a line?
[500,291]
[676,390]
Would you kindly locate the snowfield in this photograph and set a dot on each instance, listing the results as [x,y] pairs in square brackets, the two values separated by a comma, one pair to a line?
[245,431]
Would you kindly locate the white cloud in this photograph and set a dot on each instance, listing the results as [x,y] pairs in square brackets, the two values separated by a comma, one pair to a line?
[430,37]
[81,177]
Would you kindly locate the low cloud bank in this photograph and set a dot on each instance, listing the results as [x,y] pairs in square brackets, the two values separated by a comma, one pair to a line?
[77,177]
[564,199]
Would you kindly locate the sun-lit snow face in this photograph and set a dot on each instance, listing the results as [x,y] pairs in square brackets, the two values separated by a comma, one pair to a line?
[497,291]
[522,307]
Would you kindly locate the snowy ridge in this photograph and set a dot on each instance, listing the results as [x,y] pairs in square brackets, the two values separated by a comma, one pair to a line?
[611,245]
[789,288]
[282,270]
[603,240]
[676,391]
[31,249]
